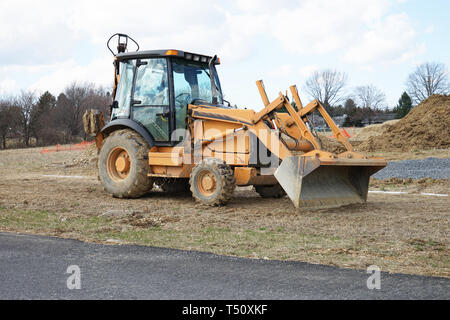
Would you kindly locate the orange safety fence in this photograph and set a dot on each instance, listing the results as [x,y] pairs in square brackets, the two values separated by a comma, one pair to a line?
[79,146]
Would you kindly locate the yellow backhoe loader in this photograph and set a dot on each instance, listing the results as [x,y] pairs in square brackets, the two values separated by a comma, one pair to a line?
[170,126]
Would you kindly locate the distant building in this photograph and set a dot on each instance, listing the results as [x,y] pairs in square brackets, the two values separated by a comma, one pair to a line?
[320,124]
[380,118]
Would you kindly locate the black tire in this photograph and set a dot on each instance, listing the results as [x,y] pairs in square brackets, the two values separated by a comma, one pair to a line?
[276,191]
[224,182]
[174,186]
[136,182]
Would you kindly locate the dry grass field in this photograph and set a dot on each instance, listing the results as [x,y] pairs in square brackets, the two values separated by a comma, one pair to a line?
[407,233]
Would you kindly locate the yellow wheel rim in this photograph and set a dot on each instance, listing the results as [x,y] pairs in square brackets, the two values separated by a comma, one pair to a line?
[118,164]
[206,183]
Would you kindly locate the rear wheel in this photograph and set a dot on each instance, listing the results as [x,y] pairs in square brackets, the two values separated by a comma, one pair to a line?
[275,191]
[123,165]
[212,182]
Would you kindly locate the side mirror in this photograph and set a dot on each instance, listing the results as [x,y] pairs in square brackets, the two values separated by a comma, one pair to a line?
[115,104]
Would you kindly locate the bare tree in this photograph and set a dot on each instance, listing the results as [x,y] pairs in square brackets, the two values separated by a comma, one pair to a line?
[77,95]
[8,119]
[71,105]
[370,97]
[327,86]
[101,100]
[428,79]
[26,102]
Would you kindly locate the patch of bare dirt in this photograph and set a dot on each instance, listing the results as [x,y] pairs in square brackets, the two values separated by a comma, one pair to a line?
[87,157]
[438,186]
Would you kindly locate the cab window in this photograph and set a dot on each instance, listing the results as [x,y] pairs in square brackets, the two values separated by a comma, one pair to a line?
[123,93]
[152,83]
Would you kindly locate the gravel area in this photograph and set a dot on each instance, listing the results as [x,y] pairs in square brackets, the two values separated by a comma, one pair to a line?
[416,169]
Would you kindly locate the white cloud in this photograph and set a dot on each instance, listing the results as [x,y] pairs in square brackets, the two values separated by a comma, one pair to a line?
[58,76]
[33,32]
[306,71]
[154,24]
[48,31]
[281,71]
[8,86]
[51,43]
[358,31]
[324,26]
[390,40]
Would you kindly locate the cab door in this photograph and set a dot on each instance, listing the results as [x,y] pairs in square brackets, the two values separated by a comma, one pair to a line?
[150,101]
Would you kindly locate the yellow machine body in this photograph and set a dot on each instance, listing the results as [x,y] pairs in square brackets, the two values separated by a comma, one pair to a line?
[224,146]
[310,176]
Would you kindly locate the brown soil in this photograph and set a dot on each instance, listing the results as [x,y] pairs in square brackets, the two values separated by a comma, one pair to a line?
[331,145]
[373,130]
[87,157]
[413,186]
[424,128]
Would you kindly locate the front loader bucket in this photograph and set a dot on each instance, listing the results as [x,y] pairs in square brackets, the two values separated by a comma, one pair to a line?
[312,183]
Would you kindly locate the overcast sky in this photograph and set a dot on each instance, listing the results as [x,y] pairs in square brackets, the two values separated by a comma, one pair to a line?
[44,45]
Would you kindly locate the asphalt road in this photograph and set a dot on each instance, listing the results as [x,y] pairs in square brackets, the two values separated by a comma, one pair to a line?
[34,267]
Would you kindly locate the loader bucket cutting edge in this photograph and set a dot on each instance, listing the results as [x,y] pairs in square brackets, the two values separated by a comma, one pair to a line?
[312,184]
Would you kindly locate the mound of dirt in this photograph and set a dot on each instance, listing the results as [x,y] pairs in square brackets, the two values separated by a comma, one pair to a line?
[424,128]
[87,157]
[373,130]
[331,145]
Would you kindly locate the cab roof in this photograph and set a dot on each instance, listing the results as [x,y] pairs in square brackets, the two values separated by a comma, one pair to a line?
[166,53]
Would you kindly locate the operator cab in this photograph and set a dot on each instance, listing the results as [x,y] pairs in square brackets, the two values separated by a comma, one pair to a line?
[153,88]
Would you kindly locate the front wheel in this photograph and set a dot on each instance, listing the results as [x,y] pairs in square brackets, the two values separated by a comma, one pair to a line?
[123,165]
[212,182]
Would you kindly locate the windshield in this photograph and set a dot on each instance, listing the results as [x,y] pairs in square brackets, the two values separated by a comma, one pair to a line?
[192,81]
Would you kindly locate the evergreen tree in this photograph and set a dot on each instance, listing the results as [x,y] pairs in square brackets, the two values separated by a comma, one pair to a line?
[46,103]
[349,106]
[404,106]
[41,115]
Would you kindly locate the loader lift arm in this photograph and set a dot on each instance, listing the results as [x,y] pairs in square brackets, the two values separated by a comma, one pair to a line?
[316,178]
[303,112]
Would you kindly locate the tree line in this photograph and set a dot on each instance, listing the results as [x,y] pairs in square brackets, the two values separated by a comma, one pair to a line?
[31,120]
[366,102]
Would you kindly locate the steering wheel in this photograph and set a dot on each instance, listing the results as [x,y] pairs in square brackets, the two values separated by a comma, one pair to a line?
[182,101]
